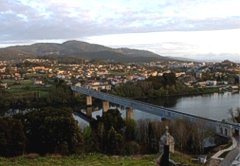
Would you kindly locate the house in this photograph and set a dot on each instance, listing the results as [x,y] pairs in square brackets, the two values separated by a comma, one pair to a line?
[202,84]
[3,85]
[98,86]
[38,82]
[130,77]
[234,87]
[2,70]
[211,82]
[180,74]
[78,84]
[199,74]
[154,74]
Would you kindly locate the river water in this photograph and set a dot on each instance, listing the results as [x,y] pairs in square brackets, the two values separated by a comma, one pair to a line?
[214,106]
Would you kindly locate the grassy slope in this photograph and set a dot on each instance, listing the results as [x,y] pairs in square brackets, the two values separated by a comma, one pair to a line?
[83,160]
[89,160]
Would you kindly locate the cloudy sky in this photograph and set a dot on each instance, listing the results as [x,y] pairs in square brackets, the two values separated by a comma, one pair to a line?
[201,29]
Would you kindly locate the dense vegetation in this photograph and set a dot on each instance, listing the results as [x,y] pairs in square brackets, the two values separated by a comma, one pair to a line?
[52,130]
[110,134]
[44,131]
[166,85]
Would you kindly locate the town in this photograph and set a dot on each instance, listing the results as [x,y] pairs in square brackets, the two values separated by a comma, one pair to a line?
[105,76]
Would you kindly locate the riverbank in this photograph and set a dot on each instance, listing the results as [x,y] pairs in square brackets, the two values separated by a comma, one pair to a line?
[152,93]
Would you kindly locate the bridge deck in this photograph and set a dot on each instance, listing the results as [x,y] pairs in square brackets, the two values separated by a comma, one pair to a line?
[149,108]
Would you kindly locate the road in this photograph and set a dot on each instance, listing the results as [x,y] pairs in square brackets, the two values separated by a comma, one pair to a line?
[219,153]
[232,157]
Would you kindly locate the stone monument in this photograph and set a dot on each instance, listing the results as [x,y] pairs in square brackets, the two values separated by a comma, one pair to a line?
[166,145]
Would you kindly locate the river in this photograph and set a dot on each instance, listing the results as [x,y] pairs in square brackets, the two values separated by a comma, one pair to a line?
[214,106]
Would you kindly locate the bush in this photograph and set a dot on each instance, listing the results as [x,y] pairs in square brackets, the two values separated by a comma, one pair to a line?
[131,148]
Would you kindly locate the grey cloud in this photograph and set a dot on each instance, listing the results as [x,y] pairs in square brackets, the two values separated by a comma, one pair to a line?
[59,23]
[216,57]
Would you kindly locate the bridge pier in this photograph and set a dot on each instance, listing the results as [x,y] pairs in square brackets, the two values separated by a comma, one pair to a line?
[230,131]
[225,130]
[89,100]
[105,105]
[89,111]
[129,113]
[219,130]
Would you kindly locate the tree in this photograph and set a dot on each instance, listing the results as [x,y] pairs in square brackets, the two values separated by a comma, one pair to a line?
[52,130]
[169,79]
[148,134]
[114,142]
[108,132]
[130,130]
[89,142]
[112,118]
[181,132]
[60,94]
[12,137]
[131,147]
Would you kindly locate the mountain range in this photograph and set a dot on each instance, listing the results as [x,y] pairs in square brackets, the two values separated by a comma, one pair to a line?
[79,49]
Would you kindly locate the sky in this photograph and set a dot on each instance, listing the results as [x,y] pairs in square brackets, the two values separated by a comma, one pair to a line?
[198,29]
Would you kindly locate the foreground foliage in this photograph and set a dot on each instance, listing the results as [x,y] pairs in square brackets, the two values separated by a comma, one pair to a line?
[53,130]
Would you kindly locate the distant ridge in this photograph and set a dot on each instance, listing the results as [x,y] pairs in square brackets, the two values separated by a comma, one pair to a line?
[184,59]
[79,49]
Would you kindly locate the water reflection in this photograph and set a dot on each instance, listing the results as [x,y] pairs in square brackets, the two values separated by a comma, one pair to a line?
[163,101]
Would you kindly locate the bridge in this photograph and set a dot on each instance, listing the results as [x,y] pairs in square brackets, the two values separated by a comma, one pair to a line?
[223,128]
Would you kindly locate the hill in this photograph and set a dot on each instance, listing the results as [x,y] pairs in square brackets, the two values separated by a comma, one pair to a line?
[79,49]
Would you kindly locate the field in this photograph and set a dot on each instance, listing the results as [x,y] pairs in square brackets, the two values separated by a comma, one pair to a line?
[23,88]
[89,160]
